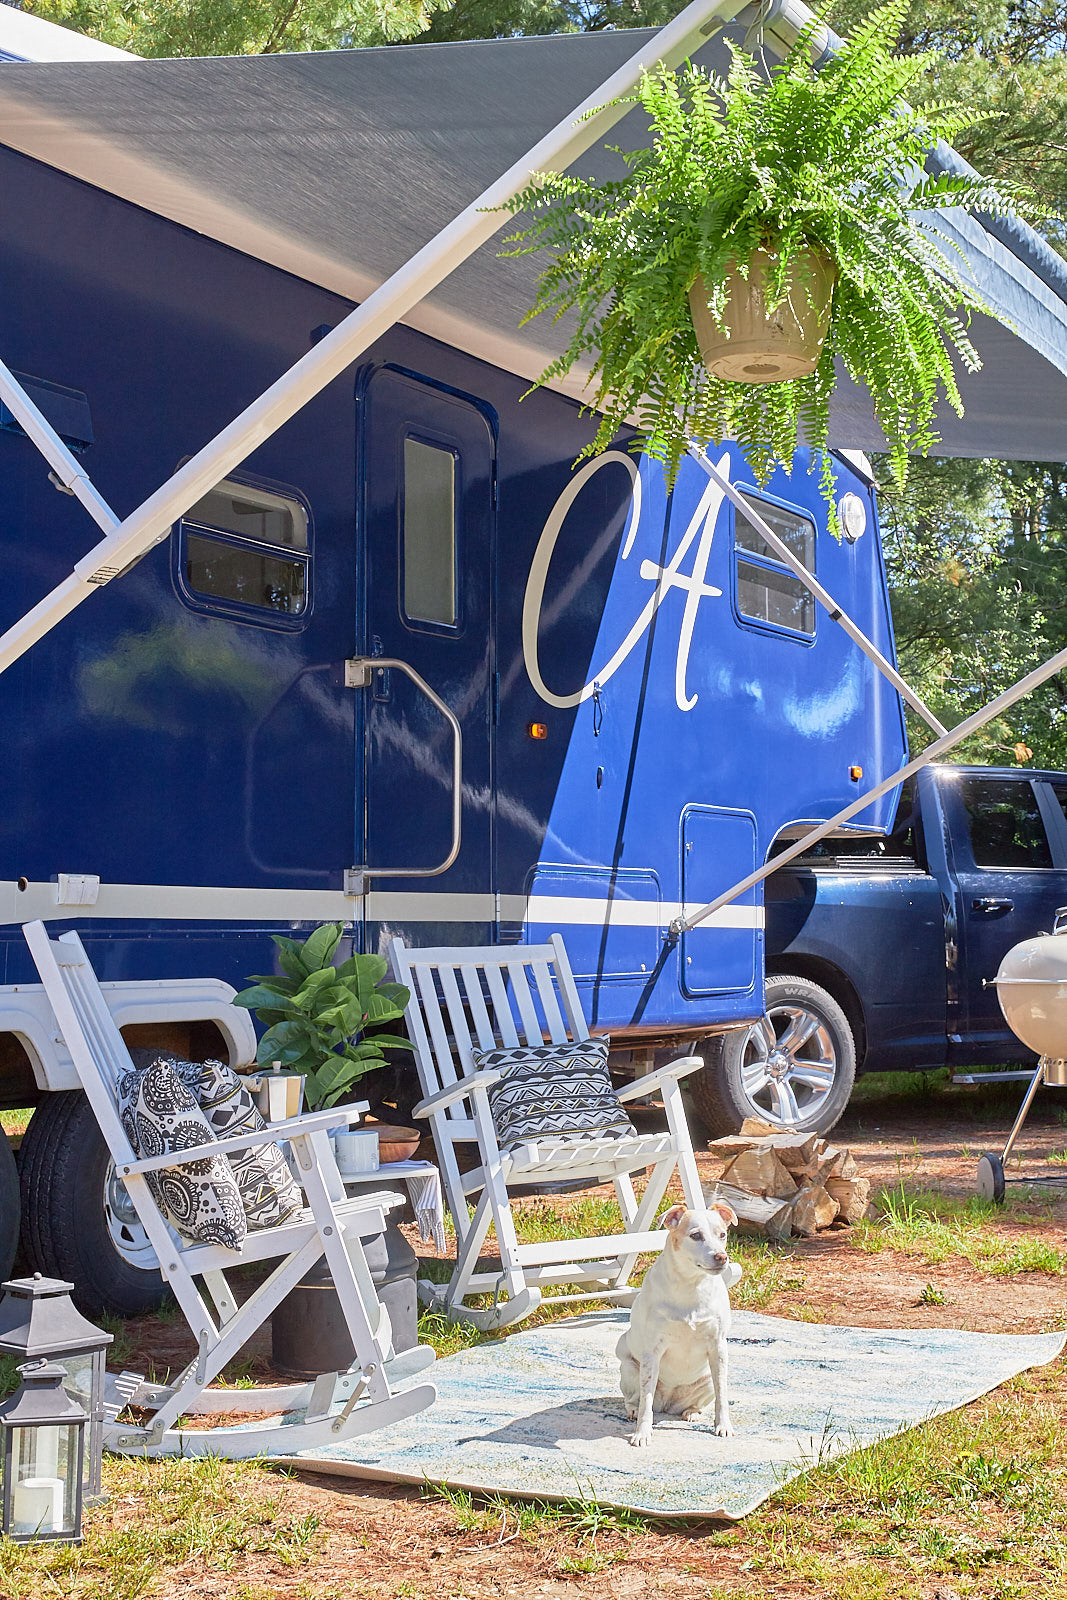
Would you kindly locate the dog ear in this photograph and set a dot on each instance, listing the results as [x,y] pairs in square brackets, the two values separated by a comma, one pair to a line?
[725,1213]
[673,1217]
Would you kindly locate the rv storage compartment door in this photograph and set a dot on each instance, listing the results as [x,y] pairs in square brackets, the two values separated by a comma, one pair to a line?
[723,955]
[427,469]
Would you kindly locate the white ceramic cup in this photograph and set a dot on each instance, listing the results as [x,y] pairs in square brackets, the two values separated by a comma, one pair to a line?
[356,1150]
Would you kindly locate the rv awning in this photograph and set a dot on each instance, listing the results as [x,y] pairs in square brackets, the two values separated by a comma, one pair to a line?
[338,166]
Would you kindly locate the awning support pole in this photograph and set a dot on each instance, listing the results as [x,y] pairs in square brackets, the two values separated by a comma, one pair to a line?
[65,466]
[962,730]
[794,563]
[428,267]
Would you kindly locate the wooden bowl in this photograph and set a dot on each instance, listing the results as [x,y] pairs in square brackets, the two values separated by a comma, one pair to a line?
[394,1143]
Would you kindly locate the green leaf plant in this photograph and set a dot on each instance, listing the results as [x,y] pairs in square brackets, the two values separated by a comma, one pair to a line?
[317,1014]
[785,161]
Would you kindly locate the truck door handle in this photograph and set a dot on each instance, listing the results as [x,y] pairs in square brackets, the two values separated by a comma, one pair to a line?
[991,905]
[362,672]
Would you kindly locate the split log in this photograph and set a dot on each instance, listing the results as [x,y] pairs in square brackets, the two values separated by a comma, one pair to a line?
[853,1196]
[757,1126]
[794,1150]
[759,1171]
[836,1163]
[770,1219]
[813,1209]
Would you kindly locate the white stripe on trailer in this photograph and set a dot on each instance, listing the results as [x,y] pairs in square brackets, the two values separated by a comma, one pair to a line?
[168,902]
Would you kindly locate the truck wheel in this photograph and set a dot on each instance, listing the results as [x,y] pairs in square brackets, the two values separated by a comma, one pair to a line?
[77,1221]
[796,1068]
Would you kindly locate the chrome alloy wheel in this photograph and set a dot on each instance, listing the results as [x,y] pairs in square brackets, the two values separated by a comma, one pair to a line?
[124,1228]
[788,1065]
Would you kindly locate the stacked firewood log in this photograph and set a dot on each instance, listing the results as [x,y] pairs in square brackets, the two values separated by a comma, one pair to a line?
[779,1184]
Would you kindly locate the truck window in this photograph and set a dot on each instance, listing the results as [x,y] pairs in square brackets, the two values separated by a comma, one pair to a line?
[901,848]
[765,590]
[246,547]
[1004,823]
[429,533]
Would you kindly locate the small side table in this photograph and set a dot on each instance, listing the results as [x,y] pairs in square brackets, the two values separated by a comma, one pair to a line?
[423,1182]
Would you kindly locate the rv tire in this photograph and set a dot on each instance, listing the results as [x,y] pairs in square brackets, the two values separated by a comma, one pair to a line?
[66,1174]
[9,1208]
[803,1088]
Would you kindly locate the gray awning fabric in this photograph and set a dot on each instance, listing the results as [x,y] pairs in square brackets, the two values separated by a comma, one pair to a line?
[337,166]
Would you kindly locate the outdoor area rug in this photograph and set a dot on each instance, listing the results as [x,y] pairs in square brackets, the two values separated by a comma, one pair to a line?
[540,1413]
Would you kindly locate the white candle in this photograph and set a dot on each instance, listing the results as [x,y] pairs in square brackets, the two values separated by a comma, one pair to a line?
[38,1505]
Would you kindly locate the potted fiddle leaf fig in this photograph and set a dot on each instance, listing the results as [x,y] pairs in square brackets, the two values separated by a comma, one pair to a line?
[317,1015]
[775,222]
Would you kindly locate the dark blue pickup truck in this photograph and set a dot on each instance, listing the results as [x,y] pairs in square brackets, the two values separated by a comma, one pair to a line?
[877,948]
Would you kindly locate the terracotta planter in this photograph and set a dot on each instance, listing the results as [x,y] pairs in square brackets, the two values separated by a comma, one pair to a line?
[752,345]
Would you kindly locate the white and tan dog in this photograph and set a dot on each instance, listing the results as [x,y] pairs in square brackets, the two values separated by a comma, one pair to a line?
[673,1354]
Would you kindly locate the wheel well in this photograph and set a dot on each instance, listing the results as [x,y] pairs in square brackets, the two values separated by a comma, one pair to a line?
[833,980]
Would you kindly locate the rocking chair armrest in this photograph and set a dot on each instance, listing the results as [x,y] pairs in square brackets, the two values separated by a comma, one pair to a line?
[655,1080]
[457,1091]
[253,1139]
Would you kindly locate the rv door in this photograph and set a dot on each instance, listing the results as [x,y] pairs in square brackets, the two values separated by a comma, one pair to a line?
[428,477]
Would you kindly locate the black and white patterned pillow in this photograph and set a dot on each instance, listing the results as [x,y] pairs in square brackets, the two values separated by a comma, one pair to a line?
[554,1090]
[269,1193]
[200,1198]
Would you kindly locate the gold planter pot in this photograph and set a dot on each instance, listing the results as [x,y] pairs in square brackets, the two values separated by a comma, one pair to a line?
[753,345]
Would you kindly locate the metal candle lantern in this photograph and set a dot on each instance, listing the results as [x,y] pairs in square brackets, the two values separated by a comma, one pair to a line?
[44,1452]
[37,1319]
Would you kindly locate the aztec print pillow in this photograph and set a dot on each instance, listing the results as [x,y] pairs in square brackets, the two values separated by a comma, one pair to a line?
[554,1090]
[269,1192]
[200,1199]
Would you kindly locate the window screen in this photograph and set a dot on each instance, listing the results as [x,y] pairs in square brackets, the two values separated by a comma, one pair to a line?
[1004,822]
[236,549]
[429,533]
[767,591]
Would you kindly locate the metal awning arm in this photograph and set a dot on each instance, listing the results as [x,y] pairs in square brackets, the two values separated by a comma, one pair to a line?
[783,552]
[962,730]
[428,267]
[66,468]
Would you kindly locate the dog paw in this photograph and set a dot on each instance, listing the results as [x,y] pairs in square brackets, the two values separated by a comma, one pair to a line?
[692,1416]
[723,1430]
[641,1438]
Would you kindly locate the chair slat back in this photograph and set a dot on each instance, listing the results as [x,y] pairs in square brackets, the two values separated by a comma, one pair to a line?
[96,1046]
[482,998]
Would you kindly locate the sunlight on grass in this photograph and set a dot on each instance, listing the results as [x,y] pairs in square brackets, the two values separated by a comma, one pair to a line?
[979,1491]
[14,1122]
[937,1228]
[200,1515]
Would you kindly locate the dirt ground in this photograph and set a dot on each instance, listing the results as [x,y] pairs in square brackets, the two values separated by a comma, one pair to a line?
[384,1542]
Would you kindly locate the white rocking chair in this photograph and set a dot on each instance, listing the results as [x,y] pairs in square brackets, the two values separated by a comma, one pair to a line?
[336,1406]
[486,998]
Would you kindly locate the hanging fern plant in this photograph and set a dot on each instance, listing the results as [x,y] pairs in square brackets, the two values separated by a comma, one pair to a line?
[809,180]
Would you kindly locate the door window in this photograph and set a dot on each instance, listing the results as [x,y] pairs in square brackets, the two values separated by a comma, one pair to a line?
[429,534]
[765,589]
[1004,823]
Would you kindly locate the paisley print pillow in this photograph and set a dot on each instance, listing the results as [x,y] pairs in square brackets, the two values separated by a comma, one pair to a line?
[200,1198]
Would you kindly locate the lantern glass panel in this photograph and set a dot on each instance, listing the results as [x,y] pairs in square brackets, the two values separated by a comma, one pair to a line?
[78,1381]
[44,1464]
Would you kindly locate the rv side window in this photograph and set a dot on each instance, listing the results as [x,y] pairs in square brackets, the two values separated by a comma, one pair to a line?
[766,590]
[429,533]
[244,546]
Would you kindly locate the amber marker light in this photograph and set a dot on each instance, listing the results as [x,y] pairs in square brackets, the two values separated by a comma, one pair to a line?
[537,730]
[855,773]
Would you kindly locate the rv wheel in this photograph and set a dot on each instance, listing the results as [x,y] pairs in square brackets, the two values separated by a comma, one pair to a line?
[795,1069]
[77,1222]
[9,1208]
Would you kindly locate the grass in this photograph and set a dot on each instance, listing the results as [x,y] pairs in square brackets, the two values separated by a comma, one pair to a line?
[935,1228]
[200,1513]
[16,1122]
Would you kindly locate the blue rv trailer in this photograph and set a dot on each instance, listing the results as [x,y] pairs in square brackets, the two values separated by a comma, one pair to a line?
[647,697]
